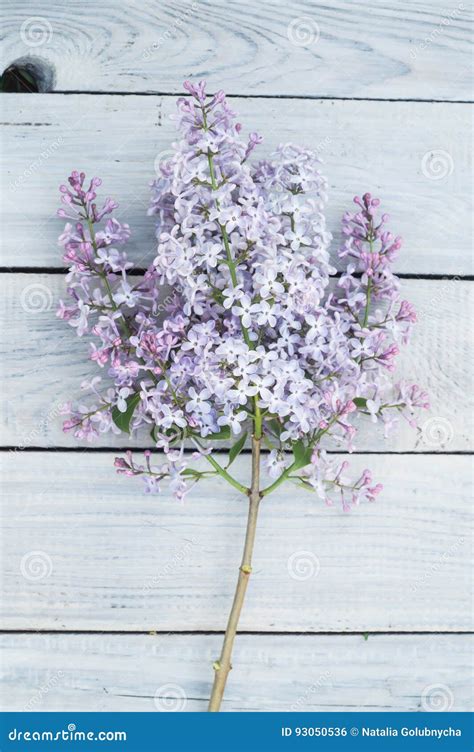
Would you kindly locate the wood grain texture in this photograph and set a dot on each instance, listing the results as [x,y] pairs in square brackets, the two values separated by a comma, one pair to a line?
[85,549]
[271,673]
[47,363]
[416,156]
[414,49]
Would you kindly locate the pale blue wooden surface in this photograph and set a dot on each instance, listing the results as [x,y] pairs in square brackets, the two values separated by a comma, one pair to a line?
[298,69]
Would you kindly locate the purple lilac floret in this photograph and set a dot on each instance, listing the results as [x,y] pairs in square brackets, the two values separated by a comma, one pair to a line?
[238,313]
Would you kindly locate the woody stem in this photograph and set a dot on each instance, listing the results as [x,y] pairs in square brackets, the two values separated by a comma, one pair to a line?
[223,665]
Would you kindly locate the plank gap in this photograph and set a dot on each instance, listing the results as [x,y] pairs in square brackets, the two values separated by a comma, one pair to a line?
[230,95]
[110,449]
[138,271]
[256,633]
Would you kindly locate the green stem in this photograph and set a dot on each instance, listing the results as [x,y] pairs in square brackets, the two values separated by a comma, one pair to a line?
[279,480]
[367,305]
[114,305]
[103,276]
[285,474]
[258,420]
[369,290]
[221,470]
[228,253]
[225,237]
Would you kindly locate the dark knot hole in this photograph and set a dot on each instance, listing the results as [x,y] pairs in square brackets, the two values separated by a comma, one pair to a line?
[28,75]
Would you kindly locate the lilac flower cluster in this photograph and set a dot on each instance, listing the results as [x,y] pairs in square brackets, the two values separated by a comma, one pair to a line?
[254,334]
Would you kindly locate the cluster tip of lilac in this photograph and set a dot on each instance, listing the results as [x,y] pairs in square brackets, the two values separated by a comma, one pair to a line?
[255,335]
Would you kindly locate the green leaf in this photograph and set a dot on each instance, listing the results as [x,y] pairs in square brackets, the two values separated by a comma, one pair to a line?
[360,402]
[221,435]
[122,420]
[237,448]
[190,471]
[275,426]
[302,454]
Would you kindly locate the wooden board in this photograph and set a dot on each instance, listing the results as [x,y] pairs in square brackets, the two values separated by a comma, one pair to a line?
[408,49]
[321,673]
[416,156]
[48,362]
[85,549]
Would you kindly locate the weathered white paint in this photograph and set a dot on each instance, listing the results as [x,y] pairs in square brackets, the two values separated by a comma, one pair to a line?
[122,561]
[48,362]
[416,156]
[409,49]
[111,557]
[270,673]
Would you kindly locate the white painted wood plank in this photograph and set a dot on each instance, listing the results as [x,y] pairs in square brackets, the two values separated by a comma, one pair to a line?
[270,673]
[85,549]
[44,364]
[392,149]
[414,49]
